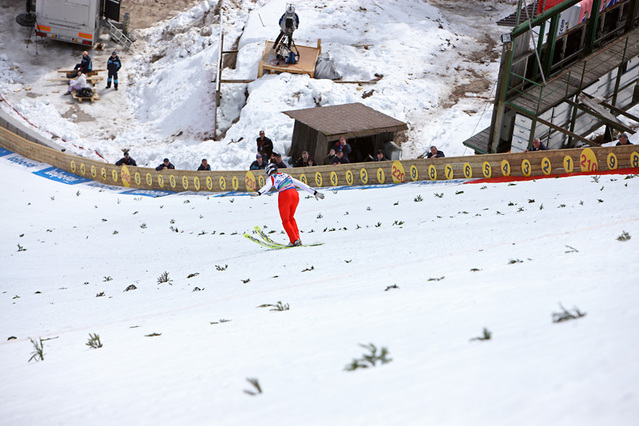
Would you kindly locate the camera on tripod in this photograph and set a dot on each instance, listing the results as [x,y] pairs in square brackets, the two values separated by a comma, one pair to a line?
[284,45]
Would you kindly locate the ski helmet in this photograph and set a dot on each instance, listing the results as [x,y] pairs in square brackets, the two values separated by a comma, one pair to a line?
[271,169]
[290,9]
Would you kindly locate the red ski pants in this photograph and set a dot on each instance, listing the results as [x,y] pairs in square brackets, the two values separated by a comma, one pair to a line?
[287,202]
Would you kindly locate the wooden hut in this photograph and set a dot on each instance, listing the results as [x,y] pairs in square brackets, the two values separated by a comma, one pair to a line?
[366,130]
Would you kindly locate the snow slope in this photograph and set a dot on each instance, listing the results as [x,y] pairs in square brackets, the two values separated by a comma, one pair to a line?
[463,257]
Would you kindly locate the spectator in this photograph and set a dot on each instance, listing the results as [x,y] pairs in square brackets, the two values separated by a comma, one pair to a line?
[85,63]
[78,83]
[259,163]
[379,156]
[329,158]
[113,66]
[302,162]
[126,160]
[277,160]
[340,158]
[166,164]
[343,146]
[311,163]
[434,152]
[264,146]
[623,140]
[204,166]
[537,146]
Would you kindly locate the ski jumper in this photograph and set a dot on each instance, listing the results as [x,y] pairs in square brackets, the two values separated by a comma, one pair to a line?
[287,200]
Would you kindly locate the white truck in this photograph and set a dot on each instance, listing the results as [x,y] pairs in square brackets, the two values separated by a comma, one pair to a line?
[74,21]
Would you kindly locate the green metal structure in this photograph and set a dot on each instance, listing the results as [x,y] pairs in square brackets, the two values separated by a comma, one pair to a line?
[559,82]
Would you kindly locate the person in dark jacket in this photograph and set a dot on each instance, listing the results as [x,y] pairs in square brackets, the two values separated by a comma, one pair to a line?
[85,63]
[623,140]
[303,161]
[113,66]
[537,146]
[340,158]
[126,160]
[379,156]
[204,165]
[166,164]
[329,158]
[264,146]
[343,146]
[277,160]
[434,152]
[259,163]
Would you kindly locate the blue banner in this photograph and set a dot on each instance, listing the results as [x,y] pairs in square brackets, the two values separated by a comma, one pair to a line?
[148,192]
[60,175]
[20,160]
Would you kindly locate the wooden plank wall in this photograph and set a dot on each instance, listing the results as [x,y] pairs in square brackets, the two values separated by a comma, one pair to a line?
[540,163]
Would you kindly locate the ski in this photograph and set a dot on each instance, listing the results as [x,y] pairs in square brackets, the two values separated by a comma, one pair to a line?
[265,237]
[264,243]
[267,242]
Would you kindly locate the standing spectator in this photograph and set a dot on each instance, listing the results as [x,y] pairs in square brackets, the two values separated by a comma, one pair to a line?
[379,156]
[537,146]
[264,146]
[113,66]
[78,83]
[329,158]
[126,160]
[311,163]
[343,146]
[166,164]
[340,158]
[85,63]
[277,160]
[623,140]
[204,165]
[259,163]
[302,162]
[434,152]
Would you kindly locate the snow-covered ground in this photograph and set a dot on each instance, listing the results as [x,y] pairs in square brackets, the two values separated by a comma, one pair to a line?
[439,62]
[418,269]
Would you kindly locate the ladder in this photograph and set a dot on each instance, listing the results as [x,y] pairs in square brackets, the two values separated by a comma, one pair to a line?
[117,34]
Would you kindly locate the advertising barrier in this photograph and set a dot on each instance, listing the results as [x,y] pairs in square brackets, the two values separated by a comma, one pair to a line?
[73,168]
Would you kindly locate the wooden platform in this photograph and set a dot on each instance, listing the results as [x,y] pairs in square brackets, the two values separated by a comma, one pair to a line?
[479,141]
[93,98]
[305,65]
[538,99]
[89,73]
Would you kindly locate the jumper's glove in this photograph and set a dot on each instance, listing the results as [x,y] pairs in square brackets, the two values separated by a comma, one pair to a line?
[318,195]
[254,194]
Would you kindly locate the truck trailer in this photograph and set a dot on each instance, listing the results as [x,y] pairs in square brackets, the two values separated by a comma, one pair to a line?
[74,21]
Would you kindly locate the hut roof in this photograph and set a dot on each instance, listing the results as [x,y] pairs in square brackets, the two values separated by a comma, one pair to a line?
[348,120]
